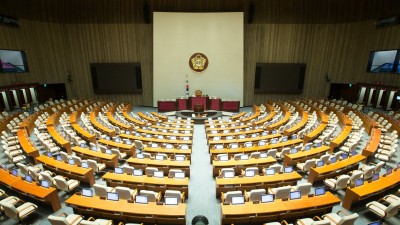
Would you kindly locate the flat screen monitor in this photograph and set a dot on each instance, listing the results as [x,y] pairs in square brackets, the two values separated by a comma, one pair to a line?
[44,183]
[118,140]
[345,156]
[94,148]
[154,145]
[108,151]
[137,172]
[250,173]
[294,137]
[244,157]
[128,142]
[159,174]
[319,191]
[139,156]
[217,138]
[185,147]
[186,138]
[59,158]
[172,138]
[248,144]
[354,152]
[127,132]
[234,145]
[383,61]
[141,199]
[71,161]
[319,144]
[375,176]
[118,170]
[242,136]
[295,195]
[398,165]
[389,171]
[320,163]
[273,141]
[85,165]
[28,178]
[293,150]
[107,138]
[270,171]
[375,223]
[179,158]
[288,169]
[308,147]
[263,155]
[3,166]
[229,137]
[229,174]
[238,200]
[219,146]
[83,145]
[171,201]
[179,175]
[87,192]
[333,160]
[14,172]
[359,182]
[262,143]
[274,132]
[284,139]
[159,157]
[267,198]
[112,196]
[49,155]
[169,146]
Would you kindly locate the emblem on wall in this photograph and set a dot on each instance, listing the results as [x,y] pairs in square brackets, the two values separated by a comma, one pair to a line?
[198,62]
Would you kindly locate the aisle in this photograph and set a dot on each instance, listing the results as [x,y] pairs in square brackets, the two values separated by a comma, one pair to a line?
[202,199]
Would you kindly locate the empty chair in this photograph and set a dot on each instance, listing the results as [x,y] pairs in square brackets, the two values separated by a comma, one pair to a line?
[277,168]
[339,183]
[251,169]
[226,170]
[382,210]
[355,175]
[65,184]
[37,176]
[282,153]
[65,157]
[64,219]
[152,196]
[227,197]
[8,199]
[255,155]
[121,155]
[128,169]
[305,167]
[25,168]
[304,188]
[162,155]
[336,219]
[97,167]
[92,221]
[172,172]
[237,156]
[101,190]
[77,160]
[254,195]
[126,193]
[309,221]
[177,194]
[272,153]
[146,155]
[280,192]
[48,177]
[221,156]
[150,171]
[21,212]
[139,145]
[368,172]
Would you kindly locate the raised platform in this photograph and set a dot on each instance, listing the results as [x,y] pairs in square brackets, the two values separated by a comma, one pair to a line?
[199,117]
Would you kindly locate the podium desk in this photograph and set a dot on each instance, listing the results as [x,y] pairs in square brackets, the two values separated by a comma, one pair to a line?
[166,105]
[198,100]
[181,104]
[230,106]
[128,212]
[250,213]
[371,189]
[215,104]
[32,190]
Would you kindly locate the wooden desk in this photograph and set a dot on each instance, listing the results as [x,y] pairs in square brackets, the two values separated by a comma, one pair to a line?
[340,139]
[147,131]
[218,128]
[147,183]
[32,190]
[238,165]
[162,126]
[160,141]
[281,122]
[248,183]
[373,143]
[70,171]
[302,156]
[164,165]
[59,139]
[279,145]
[111,160]
[233,133]
[149,119]
[128,212]
[173,151]
[237,116]
[26,145]
[159,116]
[243,140]
[367,190]
[117,123]
[298,126]
[128,149]
[98,125]
[83,133]
[131,119]
[313,134]
[278,210]
[337,168]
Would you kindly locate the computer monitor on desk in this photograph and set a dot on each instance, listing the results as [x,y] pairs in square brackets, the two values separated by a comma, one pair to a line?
[288,169]
[250,173]
[112,196]
[389,171]
[171,201]
[137,172]
[269,171]
[85,165]
[244,157]
[45,183]
[179,175]
[295,195]
[87,192]
[28,178]
[159,174]
[229,174]
[267,198]
[319,191]
[141,199]
[118,170]
[139,156]
[238,200]
[359,182]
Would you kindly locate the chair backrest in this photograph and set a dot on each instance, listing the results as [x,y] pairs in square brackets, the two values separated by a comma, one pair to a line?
[224,170]
[57,220]
[304,188]
[348,220]
[255,169]
[392,209]
[146,155]
[93,164]
[128,169]
[173,171]
[150,170]
[342,181]
[10,210]
[368,172]
[379,166]
[100,190]
[230,194]
[35,175]
[354,176]
[23,168]
[61,183]
[308,164]
[272,153]
[282,192]
[276,167]
[255,155]
[77,160]
[163,155]
[173,193]
[64,156]
[237,156]
[255,195]
[151,195]
[46,176]
[124,192]
[321,222]
[139,145]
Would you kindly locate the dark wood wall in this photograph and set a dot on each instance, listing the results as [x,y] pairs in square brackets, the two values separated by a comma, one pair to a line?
[56,46]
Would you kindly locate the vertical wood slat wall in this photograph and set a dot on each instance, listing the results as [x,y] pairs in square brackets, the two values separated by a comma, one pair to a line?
[340,51]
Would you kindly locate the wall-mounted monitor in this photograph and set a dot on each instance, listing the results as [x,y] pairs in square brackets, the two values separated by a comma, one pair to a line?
[13,61]
[385,61]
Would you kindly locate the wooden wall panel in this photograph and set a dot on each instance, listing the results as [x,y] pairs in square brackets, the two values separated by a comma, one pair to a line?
[340,51]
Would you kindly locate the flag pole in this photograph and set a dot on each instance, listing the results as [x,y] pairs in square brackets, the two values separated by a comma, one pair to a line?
[187,86]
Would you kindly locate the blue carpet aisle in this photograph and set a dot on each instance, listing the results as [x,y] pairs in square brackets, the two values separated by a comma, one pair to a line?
[202,200]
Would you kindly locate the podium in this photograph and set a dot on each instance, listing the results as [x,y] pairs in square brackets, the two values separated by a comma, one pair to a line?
[198,100]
